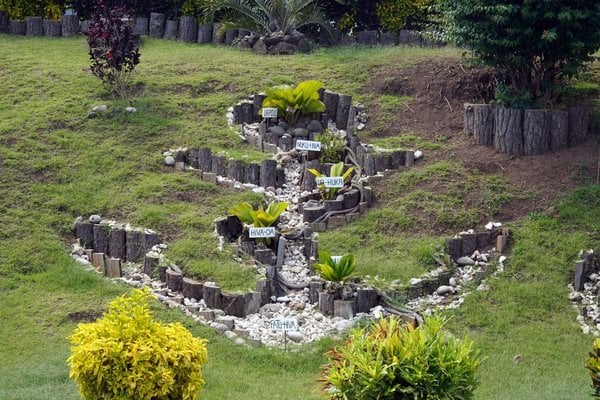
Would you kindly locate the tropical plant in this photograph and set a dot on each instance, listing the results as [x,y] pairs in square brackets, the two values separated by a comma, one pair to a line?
[113,48]
[532,43]
[293,103]
[265,16]
[394,14]
[592,363]
[260,217]
[333,270]
[394,360]
[337,170]
[332,147]
[127,355]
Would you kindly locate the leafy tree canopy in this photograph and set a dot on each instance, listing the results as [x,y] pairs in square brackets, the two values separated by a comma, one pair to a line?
[533,43]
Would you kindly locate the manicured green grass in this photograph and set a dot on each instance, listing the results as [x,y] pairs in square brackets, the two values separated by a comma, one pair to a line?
[56,164]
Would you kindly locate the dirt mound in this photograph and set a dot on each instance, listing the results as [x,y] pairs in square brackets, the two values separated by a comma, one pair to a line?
[439,88]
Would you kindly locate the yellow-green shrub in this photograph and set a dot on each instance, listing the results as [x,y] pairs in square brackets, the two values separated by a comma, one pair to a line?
[392,360]
[592,363]
[393,14]
[127,355]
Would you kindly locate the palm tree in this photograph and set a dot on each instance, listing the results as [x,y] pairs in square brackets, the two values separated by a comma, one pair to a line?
[265,16]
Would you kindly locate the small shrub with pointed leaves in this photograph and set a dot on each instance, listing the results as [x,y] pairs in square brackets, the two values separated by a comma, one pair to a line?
[335,270]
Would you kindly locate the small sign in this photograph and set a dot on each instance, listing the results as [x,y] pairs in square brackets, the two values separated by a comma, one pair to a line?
[256,233]
[336,259]
[331,181]
[284,324]
[308,145]
[269,112]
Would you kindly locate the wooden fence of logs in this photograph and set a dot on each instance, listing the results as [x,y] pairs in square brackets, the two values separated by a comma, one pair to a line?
[526,132]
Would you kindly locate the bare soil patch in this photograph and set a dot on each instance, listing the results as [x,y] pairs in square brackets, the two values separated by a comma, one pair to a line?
[439,89]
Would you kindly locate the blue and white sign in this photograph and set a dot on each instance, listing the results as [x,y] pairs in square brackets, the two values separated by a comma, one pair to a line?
[308,145]
[269,112]
[284,324]
[331,181]
[259,233]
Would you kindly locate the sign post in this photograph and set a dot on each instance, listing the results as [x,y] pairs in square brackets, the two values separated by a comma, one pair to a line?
[261,233]
[268,113]
[285,325]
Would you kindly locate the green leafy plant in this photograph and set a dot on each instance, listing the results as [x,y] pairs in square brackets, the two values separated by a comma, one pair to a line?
[533,44]
[592,363]
[336,170]
[333,147]
[260,217]
[335,271]
[19,9]
[393,14]
[264,16]
[127,355]
[293,103]
[394,360]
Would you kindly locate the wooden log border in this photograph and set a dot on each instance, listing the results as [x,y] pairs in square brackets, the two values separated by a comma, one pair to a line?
[526,132]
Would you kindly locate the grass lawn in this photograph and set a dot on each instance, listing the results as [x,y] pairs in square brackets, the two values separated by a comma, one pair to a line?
[56,164]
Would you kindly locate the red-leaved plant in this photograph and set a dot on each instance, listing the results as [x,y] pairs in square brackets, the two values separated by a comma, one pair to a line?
[114,48]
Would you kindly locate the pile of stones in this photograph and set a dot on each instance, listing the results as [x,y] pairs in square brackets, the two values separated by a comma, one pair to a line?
[276,43]
[584,291]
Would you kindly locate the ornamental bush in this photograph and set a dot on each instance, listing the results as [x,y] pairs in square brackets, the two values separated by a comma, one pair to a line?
[127,355]
[19,9]
[113,47]
[394,360]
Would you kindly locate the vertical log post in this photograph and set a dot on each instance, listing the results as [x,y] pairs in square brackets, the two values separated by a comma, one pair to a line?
[70,25]
[205,33]
[469,119]
[52,28]
[508,132]
[188,29]
[157,25]
[483,124]
[579,120]
[559,131]
[171,29]
[536,132]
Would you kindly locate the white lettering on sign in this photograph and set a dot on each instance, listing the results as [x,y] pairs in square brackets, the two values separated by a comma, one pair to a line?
[256,233]
[331,181]
[308,145]
[269,112]
[336,259]
[284,324]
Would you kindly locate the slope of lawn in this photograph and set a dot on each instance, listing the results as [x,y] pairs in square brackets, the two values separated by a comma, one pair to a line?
[56,164]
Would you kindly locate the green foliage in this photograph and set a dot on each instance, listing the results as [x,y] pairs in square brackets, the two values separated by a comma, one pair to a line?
[19,9]
[127,355]
[592,363]
[264,16]
[335,271]
[332,147]
[391,360]
[393,14]
[293,103]
[261,217]
[532,43]
[328,193]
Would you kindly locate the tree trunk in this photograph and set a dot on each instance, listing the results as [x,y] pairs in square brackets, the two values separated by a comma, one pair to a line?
[117,244]
[157,25]
[508,132]
[171,30]
[70,25]
[17,27]
[84,231]
[113,268]
[34,26]
[536,132]
[235,170]
[219,165]
[52,28]
[331,99]
[192,289]
[469,119]
[268,173]
[215,34]
[205,33]
[326,300]
[579,120]
[188,29]
[366,299]
[205,160]
[141,26]
[483,124]
[252,174]
[559,131]
[151,239]
[174,280]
